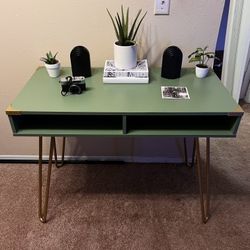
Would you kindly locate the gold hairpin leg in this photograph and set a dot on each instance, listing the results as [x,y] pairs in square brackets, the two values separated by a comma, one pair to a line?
[204,180]
[186,156]
[43,208]
[63,152]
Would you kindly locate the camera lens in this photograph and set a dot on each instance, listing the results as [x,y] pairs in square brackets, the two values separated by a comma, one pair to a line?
[74,89]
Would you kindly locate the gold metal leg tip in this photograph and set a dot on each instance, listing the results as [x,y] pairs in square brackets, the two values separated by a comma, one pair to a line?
[43,220]
[205,220]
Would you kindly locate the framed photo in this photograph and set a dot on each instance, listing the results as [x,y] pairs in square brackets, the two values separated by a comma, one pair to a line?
[174,92]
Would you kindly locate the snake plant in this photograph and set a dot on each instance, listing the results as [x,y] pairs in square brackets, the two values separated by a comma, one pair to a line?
[126,36]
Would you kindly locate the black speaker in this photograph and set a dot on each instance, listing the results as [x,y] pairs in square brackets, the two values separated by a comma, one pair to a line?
[80,61]
[171,63]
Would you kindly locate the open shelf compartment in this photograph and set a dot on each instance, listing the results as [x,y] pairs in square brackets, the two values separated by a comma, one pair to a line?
[66,124]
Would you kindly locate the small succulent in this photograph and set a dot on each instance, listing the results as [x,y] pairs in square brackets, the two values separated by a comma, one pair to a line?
[126,36]
[201,56]
[50,58]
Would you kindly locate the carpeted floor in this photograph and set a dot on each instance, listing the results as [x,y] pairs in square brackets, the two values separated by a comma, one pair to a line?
[131,206]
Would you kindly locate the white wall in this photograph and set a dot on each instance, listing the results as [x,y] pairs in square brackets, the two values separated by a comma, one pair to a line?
[236,47]
[30,28]
[245,89]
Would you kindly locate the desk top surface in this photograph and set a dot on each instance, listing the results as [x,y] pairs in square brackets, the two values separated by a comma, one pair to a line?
[42,95]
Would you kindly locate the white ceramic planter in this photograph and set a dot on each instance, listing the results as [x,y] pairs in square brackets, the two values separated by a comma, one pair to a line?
[125,57]
[201,72]
[53,69]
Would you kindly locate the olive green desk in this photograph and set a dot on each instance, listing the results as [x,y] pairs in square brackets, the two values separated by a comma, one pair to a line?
[125,110]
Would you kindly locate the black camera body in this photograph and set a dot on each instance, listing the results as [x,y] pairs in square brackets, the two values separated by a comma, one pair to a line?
[72,85]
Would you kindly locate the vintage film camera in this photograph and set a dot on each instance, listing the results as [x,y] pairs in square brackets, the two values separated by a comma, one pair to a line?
[72,85]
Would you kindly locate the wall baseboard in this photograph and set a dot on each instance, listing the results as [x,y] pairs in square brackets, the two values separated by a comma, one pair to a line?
[79,159]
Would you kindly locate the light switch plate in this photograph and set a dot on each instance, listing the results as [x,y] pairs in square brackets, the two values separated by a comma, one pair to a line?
[161,7]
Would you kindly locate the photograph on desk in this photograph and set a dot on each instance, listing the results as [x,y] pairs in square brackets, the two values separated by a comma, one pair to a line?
[173,92]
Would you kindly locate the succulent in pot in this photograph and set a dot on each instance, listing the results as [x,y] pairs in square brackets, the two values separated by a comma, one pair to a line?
[201,57]
[52,64]
[125,48]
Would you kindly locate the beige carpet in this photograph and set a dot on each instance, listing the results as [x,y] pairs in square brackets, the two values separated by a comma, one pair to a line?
[131,206]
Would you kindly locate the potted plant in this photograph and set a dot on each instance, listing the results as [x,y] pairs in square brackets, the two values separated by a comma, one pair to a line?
[125,48]
[52,64]
[202,57]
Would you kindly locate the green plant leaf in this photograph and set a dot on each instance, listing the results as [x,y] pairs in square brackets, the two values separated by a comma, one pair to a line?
[43,59]
[123,19]
[194,59]
[192,53]
[205,48]
[55,55]
[131,33]
[119,25]
[126,23]
[113,22]
[210,53]
[133,38]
